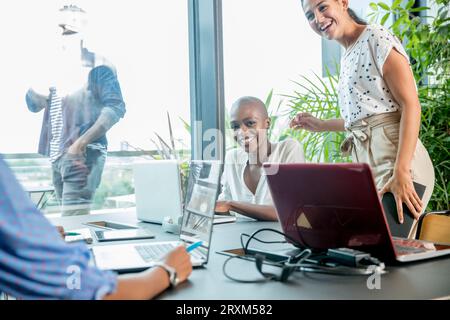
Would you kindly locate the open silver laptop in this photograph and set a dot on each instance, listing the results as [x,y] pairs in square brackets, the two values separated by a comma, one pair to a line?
[158,192]
[197,225]
[157,185]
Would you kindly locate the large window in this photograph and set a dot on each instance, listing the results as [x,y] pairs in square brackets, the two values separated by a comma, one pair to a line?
[147,41]
[267,45]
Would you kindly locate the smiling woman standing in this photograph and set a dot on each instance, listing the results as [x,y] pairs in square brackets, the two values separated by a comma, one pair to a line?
[378,102]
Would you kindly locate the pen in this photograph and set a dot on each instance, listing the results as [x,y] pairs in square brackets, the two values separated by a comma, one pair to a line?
[193,246]
[72,234]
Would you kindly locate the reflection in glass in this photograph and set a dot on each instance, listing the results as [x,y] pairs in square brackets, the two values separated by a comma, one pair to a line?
[83,102]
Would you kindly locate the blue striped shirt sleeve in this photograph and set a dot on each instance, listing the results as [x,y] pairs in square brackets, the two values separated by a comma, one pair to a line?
[35,263]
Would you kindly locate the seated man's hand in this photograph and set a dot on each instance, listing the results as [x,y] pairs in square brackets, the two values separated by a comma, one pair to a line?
[179,259]
[223,207]
[61,231]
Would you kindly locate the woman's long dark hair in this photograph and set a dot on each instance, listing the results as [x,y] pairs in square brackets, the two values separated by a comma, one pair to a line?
[354,16]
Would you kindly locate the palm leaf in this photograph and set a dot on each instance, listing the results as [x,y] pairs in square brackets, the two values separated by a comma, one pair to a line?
[172,141]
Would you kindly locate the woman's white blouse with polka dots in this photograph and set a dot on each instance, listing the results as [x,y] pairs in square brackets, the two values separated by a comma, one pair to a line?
[361,89]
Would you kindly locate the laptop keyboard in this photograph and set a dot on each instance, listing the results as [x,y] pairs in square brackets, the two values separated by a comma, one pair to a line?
[155,251]
[411,246]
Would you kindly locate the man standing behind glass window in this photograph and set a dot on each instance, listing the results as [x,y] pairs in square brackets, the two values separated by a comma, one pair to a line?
[83,103]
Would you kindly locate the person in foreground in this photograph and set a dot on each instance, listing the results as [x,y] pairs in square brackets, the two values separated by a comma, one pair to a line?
[244,187]
[378,102]
[35,262]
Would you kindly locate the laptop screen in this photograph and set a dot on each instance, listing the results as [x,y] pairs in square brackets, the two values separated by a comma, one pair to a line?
[199,204]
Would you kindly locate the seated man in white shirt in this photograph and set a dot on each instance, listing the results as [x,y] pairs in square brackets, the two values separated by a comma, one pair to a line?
[244,187]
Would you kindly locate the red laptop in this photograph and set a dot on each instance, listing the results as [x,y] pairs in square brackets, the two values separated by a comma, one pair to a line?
[325,206]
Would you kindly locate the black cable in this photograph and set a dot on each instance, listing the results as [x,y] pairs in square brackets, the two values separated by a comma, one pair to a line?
[241,280]
[259,260]
[299,258]
[338,270]
[267,229]
[295,263]
[259,240]
[319,267]
[300,266]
